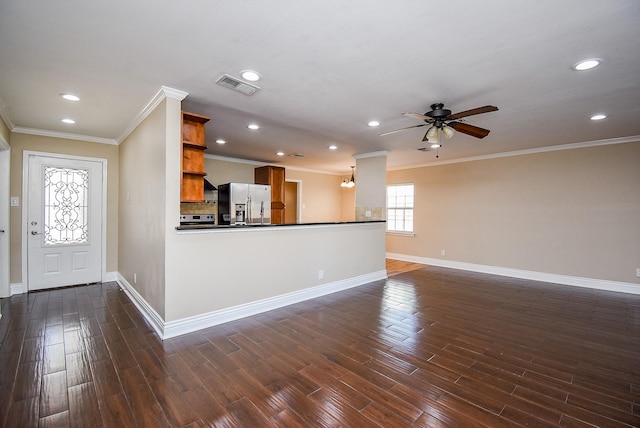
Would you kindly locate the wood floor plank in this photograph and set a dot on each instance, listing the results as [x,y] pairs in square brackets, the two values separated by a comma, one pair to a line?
[428,347]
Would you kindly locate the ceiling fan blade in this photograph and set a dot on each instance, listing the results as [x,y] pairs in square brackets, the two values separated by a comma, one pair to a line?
[417,116]
[479,110]
[465,128]
[402,129]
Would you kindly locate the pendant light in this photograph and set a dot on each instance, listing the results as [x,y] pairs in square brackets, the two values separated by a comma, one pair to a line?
[351,182]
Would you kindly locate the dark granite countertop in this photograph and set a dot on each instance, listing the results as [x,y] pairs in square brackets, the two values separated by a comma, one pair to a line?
[257,226]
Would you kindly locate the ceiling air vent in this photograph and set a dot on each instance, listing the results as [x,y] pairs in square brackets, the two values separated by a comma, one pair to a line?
[237,85]
[297,155]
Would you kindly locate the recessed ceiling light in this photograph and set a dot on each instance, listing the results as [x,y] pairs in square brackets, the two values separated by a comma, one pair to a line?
[374,123]
[280,153]
[69,121]
[587,64]
[70,97]
[250,75]
[220,141]
[599,116]
[333,147]
[253,126]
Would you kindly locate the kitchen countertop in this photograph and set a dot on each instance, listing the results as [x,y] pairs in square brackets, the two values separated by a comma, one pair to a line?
[214,227]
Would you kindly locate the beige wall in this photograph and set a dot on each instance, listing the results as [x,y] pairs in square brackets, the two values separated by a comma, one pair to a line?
[371,188]
[570,212]
[21,142]
[142,208]
[321,196]
[219,270]
[222,171]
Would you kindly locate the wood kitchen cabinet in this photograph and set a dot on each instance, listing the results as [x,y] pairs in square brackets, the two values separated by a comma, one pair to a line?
[193,147]
[273,176]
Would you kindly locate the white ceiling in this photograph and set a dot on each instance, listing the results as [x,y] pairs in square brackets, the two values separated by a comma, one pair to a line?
[328,67]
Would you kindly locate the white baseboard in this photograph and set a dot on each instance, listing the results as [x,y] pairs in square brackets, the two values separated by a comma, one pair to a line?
[210,319]
[576,281]
[18,288]
[110,277]
[188,325]
[156,321]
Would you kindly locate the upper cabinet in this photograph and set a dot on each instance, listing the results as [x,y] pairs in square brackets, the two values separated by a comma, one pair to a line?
[273,176]
[193,147]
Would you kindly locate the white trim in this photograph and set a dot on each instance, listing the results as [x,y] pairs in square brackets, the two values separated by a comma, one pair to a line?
[65,135]
[154,319]
[570,146]
[25,191]
[198,322]
[575,281]
[4,144]
[109,276]
[164,92]
[4,114]
[18,288]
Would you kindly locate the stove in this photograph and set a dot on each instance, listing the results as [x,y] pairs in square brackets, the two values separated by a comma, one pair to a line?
[186,219]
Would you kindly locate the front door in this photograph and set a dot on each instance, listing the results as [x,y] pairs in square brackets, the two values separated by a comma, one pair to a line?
[64,221]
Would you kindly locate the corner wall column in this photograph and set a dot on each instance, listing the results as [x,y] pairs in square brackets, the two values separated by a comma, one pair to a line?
[371,186]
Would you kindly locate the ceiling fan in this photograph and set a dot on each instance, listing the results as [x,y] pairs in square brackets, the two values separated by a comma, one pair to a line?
[440,119]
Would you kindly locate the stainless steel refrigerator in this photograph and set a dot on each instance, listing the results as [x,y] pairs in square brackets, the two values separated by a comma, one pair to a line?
[244,203]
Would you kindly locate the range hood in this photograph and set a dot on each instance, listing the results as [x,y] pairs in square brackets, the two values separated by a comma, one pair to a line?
[208,187]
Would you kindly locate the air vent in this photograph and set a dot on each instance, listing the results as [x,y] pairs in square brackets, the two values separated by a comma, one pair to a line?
[237,85]
[297,155]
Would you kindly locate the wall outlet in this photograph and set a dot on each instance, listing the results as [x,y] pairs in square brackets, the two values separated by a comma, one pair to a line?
[15,201]
[320,274]
[135,278]
[443,253]
[638,272]
[367,213]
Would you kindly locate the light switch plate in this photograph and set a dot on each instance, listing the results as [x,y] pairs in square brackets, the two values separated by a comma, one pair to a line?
[15,201]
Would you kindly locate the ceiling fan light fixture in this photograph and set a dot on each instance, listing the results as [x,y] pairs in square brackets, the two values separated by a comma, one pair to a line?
[436,146]
[448,131]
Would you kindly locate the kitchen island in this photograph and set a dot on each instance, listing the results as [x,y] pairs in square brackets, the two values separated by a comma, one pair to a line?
[223,273]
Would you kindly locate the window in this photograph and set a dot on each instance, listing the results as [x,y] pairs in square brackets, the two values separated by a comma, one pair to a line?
[400,208]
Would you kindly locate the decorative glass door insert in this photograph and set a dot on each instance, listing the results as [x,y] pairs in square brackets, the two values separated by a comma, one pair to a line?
[66,206]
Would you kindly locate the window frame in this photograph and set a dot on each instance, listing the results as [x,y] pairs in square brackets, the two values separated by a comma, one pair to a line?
[404,209]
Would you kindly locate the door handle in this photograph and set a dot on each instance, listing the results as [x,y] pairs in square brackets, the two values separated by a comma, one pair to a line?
[33,232]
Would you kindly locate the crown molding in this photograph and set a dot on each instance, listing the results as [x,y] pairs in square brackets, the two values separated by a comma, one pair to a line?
[5,115]
[161,95]
[570,146]
[65,135]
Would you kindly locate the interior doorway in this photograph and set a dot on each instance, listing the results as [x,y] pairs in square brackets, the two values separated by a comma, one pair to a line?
[292,201]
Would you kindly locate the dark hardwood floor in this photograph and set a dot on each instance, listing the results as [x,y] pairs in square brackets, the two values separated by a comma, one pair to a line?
[430,347]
